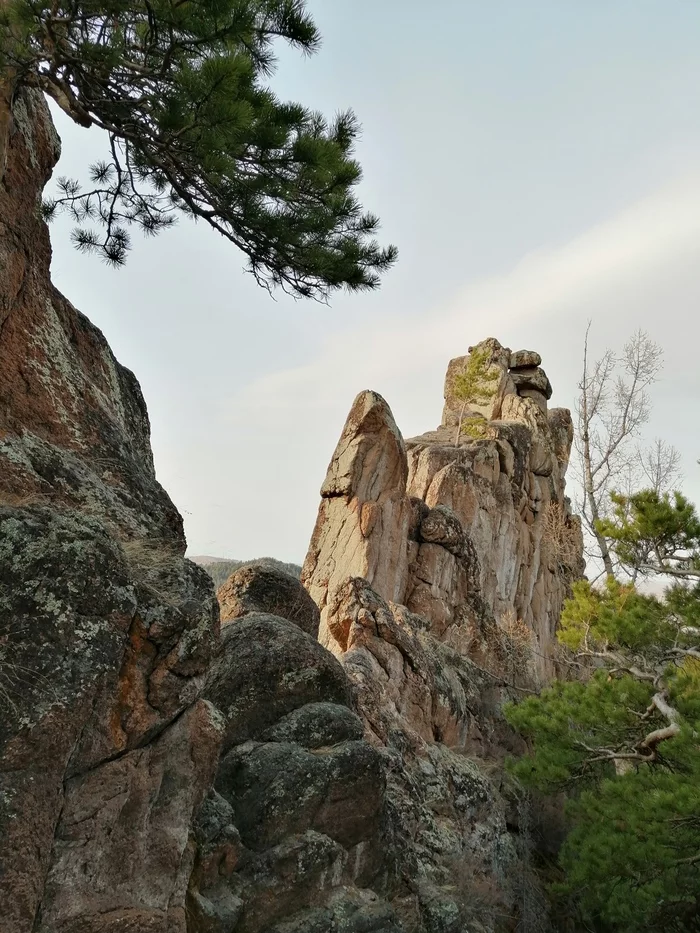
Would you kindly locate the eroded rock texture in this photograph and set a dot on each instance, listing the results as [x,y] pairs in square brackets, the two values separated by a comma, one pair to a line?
[290,835]
[156,775]
[440,565]
[106,750]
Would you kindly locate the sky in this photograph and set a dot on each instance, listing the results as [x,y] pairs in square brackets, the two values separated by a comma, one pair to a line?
[538,166]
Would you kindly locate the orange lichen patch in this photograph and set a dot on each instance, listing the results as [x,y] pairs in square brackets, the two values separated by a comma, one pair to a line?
[368,516]
[132,715]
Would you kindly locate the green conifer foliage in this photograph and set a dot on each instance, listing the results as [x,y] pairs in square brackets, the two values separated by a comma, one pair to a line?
[180,88]
[474,385]
[655,534]
[624,740]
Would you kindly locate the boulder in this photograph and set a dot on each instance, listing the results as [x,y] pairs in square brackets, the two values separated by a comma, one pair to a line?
[261,588]
[338,793]
[524,359]
[317,725]
[266,668]
[441,526]
[533,379]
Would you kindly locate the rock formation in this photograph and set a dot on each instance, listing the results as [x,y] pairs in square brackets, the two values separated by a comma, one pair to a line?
[440,521]
[440,565]
[155,775]
[163,773]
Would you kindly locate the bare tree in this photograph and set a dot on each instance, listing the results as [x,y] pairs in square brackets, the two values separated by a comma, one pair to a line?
[660,465]
[612,407]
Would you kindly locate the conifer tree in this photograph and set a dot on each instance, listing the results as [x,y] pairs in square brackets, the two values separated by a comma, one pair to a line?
[624,741]
[179,87]
[474,385]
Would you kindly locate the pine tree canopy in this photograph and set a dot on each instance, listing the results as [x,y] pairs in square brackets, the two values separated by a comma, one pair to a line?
[180,88]
[623,738]
[653,533]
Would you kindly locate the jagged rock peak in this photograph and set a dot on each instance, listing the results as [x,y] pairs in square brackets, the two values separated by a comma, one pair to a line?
[364,510]
[440,565]
[490,477]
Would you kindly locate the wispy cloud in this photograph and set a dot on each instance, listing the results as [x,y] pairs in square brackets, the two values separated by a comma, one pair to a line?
[593,266]
[638,268]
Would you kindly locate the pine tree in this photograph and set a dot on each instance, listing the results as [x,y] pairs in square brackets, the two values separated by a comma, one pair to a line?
[179,87]
[474,385]
[624,742]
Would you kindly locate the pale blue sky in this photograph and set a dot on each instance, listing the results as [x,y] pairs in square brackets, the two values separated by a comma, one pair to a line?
[537,163]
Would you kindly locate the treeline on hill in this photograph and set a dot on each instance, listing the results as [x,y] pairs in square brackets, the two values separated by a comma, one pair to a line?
[221,570]
[622,737]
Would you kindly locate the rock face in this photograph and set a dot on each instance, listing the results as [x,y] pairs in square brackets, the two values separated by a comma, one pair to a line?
[464,518]
[156,774]
[287,830]
[440,565]
[106,750]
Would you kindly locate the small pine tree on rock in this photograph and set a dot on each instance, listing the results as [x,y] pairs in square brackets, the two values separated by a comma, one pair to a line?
[474,385]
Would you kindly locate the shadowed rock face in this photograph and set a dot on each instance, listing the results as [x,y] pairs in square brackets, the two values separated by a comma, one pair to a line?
[106,632]
[74,430]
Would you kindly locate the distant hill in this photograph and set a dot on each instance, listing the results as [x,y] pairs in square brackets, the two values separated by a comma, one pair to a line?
[221,568]
[206,559]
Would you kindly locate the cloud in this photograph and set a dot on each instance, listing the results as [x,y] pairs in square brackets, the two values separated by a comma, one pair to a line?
[588,270]
[271,440]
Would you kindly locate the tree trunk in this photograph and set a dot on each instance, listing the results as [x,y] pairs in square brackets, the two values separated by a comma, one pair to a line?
[459,423]
[588,485]
[595,515]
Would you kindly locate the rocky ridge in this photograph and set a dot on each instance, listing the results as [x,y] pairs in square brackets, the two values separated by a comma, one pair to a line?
[325,765]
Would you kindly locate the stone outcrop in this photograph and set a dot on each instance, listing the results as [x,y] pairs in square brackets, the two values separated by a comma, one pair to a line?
[469,518]
[440,565]
[265,588]
[290,828]
[323,763]
[157,775]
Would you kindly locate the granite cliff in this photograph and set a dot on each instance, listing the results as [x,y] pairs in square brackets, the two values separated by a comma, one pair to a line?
[287,758]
